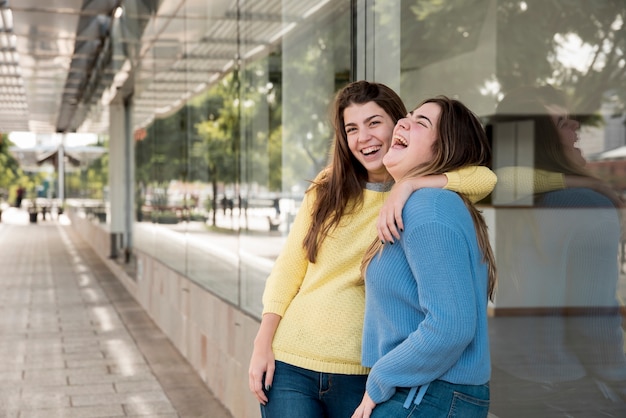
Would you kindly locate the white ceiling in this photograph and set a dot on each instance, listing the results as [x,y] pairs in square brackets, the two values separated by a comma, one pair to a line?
[62,61]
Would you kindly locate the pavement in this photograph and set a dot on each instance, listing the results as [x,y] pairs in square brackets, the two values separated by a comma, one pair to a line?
[73,341]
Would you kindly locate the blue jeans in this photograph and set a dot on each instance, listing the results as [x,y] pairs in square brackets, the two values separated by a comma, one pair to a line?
[302,393]
[442,399]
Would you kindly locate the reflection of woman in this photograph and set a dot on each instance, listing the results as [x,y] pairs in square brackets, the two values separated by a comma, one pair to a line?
[557,261]
[557,162]
[306,358]
[425,333]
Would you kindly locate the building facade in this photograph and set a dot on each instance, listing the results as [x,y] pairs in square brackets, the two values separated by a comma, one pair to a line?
[219,116]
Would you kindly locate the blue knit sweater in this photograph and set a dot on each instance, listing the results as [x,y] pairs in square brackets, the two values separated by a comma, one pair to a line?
[426,301]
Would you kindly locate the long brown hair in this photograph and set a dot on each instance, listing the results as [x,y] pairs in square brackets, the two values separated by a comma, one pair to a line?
[461,141]
[339,190]
[530,103]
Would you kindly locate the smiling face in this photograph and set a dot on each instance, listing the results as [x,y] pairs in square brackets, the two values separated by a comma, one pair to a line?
[368,129]
[568,134]
[412,142]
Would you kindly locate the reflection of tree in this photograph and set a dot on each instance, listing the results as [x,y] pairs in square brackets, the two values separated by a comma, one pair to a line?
[577,45]
[261,124]
[317,64]
[11,174]
[158,155]
[433,31]
[220,134]
[237,131]
[10,171]
[89,181]
[161,156]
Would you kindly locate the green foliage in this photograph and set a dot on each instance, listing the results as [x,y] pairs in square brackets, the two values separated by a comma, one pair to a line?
[11,175]
[220,131]
[442,29]
[559,28]
[236,133]
[261,139]
[89,182]
[318,65]
[575,45]
[193,144]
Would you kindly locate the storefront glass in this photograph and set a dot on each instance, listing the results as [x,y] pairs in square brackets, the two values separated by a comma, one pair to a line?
[220,173]
[219,176]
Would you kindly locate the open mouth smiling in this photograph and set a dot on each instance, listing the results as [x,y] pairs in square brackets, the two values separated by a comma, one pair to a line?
[370,150]
[398,140]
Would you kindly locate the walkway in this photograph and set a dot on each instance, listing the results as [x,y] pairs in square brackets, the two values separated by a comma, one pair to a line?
[74,343]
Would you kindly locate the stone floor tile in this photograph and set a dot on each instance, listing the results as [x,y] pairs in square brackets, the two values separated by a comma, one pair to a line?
[102,388]
[95,378]
[137,386]
[127,398]
[149,408]
[74,343]
[75,412]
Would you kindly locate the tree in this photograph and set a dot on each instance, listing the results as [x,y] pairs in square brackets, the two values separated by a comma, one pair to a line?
[10,172]
[9,167]
[160,157]
[577,45]
[316,66]
[220,133]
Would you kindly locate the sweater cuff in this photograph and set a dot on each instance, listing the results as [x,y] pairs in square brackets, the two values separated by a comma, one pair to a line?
[275,308]
[454,180]
[553,181]
[376,392]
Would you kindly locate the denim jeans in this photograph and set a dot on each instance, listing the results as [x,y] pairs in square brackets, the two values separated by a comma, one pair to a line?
[302,393]
[442,399]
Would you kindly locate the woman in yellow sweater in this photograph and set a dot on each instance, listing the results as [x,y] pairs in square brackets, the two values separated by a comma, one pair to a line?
[306,360]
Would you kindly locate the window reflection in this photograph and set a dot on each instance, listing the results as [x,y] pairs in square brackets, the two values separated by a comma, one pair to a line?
[557,330]
[220,176]
[557,338]
[231,108]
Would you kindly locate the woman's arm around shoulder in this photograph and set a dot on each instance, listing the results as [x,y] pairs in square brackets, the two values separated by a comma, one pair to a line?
[476,182]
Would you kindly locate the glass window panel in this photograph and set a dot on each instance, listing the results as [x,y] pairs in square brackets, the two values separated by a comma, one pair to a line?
[220,156]
[286,89]
[557,339]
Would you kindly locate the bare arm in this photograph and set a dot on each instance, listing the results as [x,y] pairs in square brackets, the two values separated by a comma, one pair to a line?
[262,363]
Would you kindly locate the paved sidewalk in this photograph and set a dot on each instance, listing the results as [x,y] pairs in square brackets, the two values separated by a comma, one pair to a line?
[74,343]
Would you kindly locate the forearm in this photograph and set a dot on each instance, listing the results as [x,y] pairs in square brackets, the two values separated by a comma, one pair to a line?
[262,363]
[437,181]
[267,329]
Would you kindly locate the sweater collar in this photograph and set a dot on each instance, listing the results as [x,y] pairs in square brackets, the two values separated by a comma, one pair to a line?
[379,187]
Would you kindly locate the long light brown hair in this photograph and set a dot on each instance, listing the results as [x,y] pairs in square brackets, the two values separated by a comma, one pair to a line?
[530,103]
[461,142]
[340,189]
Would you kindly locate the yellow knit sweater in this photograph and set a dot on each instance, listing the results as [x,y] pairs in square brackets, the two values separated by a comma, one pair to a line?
[322,303]
[517,182]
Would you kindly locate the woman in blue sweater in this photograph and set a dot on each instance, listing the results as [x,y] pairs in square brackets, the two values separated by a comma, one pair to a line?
[425,333]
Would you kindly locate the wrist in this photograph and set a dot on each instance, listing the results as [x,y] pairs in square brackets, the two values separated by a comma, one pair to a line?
[435,181]
[262,342]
